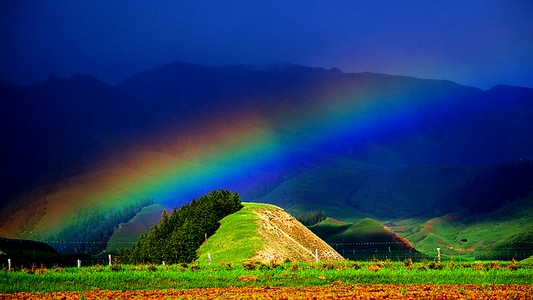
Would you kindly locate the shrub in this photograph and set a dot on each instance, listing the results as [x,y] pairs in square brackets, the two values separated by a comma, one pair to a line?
[512,265]
[435,265]
[478,266]
[58,269]
[251,265]
[294,266]
[373,267]
[408,263]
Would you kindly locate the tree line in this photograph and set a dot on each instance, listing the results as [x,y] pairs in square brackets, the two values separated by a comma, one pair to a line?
[178,235]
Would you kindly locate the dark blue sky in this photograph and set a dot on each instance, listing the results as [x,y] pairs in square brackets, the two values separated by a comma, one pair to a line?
[478,43]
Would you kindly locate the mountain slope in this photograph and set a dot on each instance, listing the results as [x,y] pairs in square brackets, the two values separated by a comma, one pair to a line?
[54,129]
[266,233]
[355,191]
[354,145]
[128,233]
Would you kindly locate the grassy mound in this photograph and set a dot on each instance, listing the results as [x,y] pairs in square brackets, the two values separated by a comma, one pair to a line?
[364,239]
[265,233]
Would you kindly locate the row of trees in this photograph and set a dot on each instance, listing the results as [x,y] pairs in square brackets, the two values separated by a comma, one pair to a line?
[178,236]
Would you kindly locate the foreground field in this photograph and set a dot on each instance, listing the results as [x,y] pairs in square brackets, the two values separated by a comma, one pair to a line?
[332,291]
[254,277]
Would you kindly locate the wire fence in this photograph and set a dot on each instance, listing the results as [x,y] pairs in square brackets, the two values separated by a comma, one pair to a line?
[52,261]
[27,256]
[509,250]
[15,253]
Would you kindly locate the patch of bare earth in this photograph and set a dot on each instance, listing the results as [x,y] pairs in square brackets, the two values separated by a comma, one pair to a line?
[286,239]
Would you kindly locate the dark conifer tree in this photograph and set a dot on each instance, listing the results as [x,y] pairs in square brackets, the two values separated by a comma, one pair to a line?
[178,236]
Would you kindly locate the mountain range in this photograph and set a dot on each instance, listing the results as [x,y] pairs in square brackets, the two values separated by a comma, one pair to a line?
[356,145]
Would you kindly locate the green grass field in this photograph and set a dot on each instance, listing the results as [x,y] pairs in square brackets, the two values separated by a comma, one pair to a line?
[146,277]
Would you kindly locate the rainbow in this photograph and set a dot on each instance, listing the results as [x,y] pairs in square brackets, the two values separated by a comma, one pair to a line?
[242,149]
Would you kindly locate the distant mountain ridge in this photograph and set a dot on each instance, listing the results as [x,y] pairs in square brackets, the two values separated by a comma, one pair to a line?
[179,87]
[354,144]
[53,128]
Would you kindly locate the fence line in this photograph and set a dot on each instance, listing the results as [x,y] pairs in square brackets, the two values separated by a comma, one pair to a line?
[51,261]
[517,253]
[396,250]
[361,251]
[444,241]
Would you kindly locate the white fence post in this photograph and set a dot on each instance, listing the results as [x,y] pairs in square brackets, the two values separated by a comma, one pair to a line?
[316,255]
[79,263]
[109,259]
[438,254]
[209,258]
[9,264]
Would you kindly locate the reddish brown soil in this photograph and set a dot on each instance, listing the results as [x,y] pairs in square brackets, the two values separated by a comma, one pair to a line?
[334,291]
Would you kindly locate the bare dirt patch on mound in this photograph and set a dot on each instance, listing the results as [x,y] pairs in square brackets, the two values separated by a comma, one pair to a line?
[287,239]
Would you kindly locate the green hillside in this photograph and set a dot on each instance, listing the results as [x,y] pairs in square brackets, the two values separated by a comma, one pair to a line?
[236,239]
[502,234]
[364,240]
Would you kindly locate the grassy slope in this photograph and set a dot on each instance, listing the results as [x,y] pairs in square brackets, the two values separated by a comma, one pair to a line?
[129,232]
[489,235]
[236,240]
[364,231]
[363,239]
